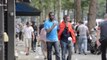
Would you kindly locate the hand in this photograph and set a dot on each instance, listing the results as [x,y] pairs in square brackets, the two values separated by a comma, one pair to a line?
[55,23]
[33,38]
[98,43]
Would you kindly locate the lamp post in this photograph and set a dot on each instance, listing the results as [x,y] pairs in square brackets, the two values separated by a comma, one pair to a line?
[1,30]
[10,28]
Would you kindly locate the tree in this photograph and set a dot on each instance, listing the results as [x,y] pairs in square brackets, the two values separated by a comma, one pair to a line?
[84,7]
[92,14]
[59,10]
[101,8]
[67,5]
[78,10]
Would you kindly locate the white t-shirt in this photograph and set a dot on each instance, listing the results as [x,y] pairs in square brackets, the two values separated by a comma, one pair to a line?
[28,32]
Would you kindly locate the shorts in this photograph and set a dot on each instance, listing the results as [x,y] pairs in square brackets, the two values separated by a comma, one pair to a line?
[28,42]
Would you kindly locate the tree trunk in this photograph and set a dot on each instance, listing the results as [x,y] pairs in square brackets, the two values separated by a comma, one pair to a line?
[59,10]
[92,14]
[82,14]
[63,12]
[74,16]
[68,12]
[106,6]
[78,10]
[46,12]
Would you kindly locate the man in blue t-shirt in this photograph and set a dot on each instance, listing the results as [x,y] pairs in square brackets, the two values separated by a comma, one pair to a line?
[50,26]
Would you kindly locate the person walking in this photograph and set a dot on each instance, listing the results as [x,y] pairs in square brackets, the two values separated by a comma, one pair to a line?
[77,38]
[42,39]
[66,36]
[103,37]
[82,42]
[33,43]
[28,35]
[51,28]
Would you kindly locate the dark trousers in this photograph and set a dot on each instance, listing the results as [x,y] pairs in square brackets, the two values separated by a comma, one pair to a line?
[6,50]
[33,45]
[76,44]
[49,50]
[103,49]
[20,35]
[66,50]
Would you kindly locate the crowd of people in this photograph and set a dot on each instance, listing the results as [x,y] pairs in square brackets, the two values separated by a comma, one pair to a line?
[62,38]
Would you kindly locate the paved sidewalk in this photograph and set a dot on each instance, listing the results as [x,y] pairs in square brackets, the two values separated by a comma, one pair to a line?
[38,54]
[32,56]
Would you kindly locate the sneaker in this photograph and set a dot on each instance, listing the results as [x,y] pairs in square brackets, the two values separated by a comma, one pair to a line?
[45,58]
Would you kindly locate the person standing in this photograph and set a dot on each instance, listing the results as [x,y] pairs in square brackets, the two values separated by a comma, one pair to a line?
[28,35]
[66,36]
[50,26]
[82,42]
[103,37]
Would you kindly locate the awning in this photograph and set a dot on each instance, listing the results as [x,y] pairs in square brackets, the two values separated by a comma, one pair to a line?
[24,9]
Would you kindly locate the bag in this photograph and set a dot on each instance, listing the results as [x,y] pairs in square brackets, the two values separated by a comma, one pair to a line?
[42,35]
[5,37]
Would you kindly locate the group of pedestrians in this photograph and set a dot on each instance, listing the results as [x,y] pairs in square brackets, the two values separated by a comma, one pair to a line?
[62,37]
[29,33]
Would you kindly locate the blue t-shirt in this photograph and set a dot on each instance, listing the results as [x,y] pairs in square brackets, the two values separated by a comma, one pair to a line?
[51,36]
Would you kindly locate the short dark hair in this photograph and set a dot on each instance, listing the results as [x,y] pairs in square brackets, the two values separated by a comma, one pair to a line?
[81,22]
[50,14]
[27,23]
[65,16]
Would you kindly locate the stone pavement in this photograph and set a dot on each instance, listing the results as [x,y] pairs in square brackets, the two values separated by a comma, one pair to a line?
[38,54]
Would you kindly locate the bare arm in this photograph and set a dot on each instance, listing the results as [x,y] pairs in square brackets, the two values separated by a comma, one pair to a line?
[49,30]
[33,36]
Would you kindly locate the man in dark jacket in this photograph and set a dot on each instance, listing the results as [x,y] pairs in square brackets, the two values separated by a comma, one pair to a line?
[103,37]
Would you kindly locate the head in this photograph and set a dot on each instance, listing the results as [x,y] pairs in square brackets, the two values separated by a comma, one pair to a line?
[105,17]
[51,16]
[66,18]
[81,22]
[28,24]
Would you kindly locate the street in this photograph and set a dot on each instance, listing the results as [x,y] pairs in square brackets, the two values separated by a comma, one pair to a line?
[38,54]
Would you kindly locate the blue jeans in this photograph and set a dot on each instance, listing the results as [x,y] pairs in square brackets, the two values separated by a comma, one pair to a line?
[66,50]
[49,50]
[82,44]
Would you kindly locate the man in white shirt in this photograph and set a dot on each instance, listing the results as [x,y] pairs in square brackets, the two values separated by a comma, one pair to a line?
[28,35]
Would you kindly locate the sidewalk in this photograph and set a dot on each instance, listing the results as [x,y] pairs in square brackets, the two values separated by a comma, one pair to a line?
[32,56]
[38,54]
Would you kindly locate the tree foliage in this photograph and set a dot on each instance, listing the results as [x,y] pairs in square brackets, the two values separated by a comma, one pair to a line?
[101,8]
[69,4]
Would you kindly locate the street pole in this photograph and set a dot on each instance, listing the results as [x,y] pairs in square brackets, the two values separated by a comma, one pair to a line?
[11,28]
[1,30]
